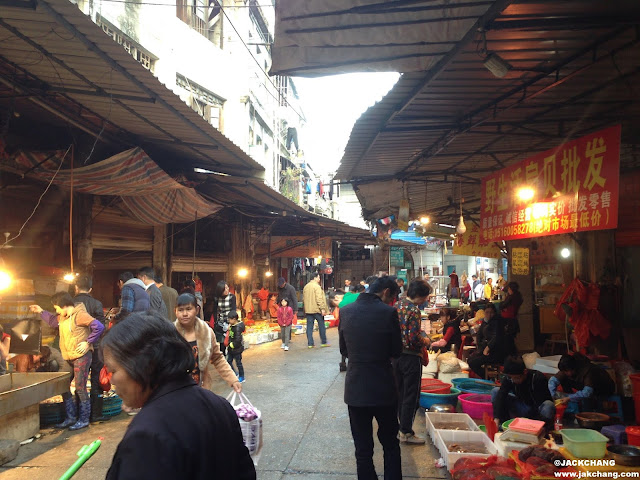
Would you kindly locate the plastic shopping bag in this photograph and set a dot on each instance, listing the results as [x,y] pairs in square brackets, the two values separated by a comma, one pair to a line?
[250,420]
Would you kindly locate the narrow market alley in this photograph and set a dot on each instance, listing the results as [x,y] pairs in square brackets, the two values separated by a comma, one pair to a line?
[306,425]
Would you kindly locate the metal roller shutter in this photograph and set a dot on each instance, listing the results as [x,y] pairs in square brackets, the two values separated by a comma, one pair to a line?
[123,261]
[204,263]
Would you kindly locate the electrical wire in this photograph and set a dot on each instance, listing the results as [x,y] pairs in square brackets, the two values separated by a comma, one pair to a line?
[222,9]
[105,120]
[174,5]
[39,200]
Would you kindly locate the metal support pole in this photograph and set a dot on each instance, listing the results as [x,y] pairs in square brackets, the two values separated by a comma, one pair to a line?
[195,234]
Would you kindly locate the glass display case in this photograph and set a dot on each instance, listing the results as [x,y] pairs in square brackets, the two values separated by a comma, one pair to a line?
[549,285]
[549,281]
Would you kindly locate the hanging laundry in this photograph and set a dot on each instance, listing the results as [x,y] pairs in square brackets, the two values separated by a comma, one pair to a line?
[248,307]
[273,307]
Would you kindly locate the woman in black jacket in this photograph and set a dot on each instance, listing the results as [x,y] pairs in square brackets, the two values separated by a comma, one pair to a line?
[509,308]
[182,430]
[489,342]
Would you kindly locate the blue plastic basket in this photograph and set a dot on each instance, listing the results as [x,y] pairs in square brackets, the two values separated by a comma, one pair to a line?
[112,406]
[473,385]
[51,413]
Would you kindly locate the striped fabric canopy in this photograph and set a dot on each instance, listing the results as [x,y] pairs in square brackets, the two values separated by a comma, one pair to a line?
[147,191]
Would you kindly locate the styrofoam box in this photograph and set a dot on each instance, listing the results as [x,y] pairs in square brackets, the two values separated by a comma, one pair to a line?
[447,417]
[505,448]
[542,368]
[551,361]
[447,436]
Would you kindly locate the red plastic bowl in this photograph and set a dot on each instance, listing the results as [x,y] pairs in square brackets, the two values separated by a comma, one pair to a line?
[440,389]
[433,385]
[431,381]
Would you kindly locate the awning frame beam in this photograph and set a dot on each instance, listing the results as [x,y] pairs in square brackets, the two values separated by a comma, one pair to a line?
[491,13]
[446,138]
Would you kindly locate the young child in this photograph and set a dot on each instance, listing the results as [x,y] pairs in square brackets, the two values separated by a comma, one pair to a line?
[236,347]
[285,319]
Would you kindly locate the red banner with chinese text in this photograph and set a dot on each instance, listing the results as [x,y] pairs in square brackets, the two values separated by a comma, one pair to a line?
[575,189]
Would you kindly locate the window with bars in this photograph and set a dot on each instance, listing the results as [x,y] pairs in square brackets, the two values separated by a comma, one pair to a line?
[282,84]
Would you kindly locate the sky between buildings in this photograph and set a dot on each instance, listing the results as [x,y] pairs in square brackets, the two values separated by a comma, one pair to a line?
[331,106]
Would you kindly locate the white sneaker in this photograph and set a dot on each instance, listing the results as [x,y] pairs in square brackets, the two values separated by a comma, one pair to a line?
[286,348]
[282,346]
[410,438]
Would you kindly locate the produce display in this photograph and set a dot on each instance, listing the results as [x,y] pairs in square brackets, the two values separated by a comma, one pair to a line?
[262,327]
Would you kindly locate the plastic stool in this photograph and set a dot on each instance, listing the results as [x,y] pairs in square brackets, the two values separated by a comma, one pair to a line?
[615,433]
[612,406]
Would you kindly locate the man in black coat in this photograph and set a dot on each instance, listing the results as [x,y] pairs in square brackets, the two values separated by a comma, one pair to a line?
[156,303]
[287,292]
[370,336]
[83,287]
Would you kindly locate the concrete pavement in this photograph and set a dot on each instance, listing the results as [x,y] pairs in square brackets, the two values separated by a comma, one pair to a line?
[306,425]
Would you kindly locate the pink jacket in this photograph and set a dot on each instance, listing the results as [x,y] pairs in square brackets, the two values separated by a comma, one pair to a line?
[285,316]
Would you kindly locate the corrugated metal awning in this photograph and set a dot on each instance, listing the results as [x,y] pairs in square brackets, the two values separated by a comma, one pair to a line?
[572,67]
[256,199]
[54,59]
[340,36]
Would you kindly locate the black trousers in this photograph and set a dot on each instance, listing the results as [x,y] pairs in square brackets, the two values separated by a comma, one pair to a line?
[361,419]
[477,361]
[408,373]
[96,365]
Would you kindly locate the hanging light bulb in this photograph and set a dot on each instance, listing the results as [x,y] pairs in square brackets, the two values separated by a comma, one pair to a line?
[461,228]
